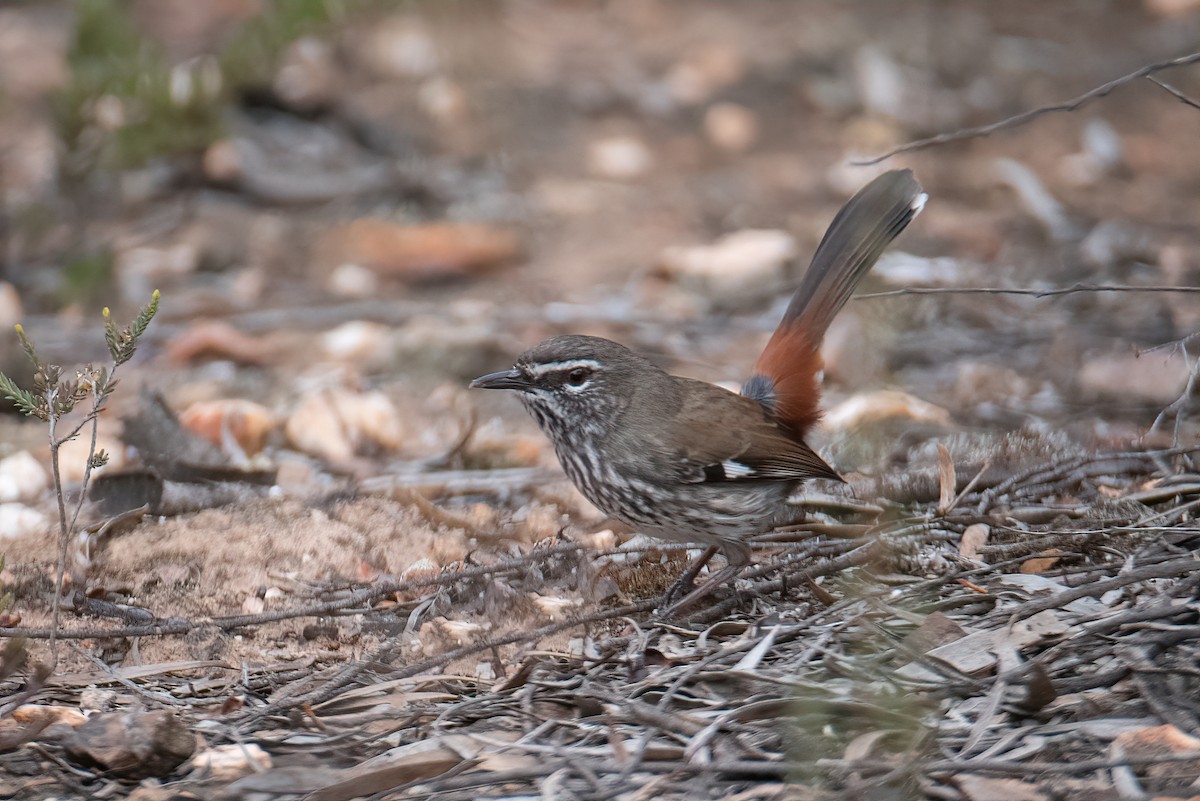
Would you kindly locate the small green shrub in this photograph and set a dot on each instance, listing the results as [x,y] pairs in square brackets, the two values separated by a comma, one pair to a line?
[54,397]
[125,104]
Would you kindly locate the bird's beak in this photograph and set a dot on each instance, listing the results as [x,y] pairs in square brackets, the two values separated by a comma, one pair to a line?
[505,379]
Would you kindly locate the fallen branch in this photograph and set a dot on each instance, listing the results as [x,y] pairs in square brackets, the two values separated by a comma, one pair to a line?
[367,595]
[1173,569]
[347,675]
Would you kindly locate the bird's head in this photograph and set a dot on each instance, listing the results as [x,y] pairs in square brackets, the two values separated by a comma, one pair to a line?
[574,384]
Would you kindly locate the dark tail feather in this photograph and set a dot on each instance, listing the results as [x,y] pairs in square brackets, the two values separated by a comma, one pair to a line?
[855,239]
[785,379]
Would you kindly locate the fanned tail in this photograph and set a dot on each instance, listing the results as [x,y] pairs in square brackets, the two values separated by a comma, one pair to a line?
[785,378]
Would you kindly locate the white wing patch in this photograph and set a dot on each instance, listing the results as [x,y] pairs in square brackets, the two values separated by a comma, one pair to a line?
[736,469]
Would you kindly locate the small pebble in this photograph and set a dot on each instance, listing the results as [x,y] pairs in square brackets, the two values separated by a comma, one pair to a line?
[731,127]
[18,520]
[619,157]
[22,478]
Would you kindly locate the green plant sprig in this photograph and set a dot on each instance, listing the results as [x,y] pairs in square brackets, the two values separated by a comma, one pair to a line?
[53,398]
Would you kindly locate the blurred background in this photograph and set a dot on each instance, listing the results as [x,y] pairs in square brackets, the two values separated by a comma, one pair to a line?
[388,198]
[353,208]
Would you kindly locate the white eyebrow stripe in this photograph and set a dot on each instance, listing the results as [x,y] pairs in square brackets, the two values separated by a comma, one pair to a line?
[555,367]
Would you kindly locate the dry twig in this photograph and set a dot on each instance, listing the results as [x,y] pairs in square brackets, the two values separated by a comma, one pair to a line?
[1017,120]
[1029,291]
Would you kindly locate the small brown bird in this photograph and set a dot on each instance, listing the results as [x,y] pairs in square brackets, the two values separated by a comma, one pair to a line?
[688,461]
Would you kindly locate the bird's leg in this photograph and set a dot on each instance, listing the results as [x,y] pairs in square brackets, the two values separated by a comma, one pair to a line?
[725,574]
[686,583]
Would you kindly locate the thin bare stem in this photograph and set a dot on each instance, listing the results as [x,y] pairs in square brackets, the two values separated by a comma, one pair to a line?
[64,535]
[100,385]
[1180,96]
[98,398]
[1016,120]
[67,527]
[1028,291]
[1182,406]
[1172,345]
[78,427]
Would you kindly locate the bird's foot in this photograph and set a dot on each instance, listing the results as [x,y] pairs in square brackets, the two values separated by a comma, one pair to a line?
[687,582]
[666,610]
[683,586]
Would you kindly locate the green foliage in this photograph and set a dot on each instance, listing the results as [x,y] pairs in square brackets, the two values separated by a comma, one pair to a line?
[54,397]
[250,58]
[122,344]
[826,719]
[34,220]
[125,105]
[99,459]
[23,399]
[27,346]
[85,275]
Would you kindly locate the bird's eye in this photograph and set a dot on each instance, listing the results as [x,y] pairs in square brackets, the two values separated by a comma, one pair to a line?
[579,376]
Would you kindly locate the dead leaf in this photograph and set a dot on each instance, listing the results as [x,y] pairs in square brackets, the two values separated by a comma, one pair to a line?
[422,253]
[232,704]
[1041,563]
[973,539]
[407,763]
[1042,626]
[521,677]
[988,788]
[552,606]
[1035,584]
[49,714]
[935,630]
[862,746]
[215,339]
[971,655]
[289,780]
[337,425]
[459,632]
[1160,741]
[230,762]
[820,593]
[871,407]
[1039,690]
[239,427]
[135,672]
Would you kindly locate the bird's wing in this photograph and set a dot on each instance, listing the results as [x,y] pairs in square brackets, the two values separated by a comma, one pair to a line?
[728,437]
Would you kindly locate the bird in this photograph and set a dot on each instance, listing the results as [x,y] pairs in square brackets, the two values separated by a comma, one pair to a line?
[687,461]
